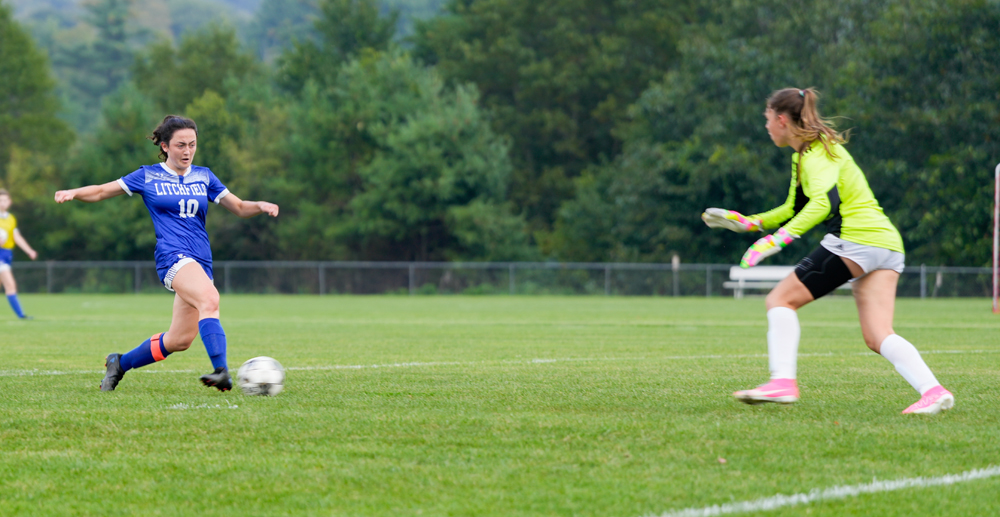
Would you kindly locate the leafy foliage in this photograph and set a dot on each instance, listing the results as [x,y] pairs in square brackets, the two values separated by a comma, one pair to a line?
[695,139]
[344,29]
[27,104]
[402,161]
[929,118]
[278,24]
[173,78]
[556,76]
[511,130]
[32,139]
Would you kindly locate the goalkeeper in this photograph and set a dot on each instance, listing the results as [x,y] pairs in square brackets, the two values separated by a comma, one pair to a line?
[861,246]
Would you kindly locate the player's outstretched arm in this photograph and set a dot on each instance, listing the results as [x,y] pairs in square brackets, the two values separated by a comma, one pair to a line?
[91,193]
[730,220]
[248,208]
[23,244]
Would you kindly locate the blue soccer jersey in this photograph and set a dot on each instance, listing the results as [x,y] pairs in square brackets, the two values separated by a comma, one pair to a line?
[178,205]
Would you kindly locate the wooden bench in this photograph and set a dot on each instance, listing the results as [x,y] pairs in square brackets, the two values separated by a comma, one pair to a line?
[759,277]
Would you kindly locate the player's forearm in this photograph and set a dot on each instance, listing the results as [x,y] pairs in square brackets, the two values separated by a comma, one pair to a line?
[249,209]
[88,194]
[243,208]
[252,208]
[22,243]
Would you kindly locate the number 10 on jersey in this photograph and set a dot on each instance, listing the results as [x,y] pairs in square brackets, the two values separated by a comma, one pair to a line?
[189,208]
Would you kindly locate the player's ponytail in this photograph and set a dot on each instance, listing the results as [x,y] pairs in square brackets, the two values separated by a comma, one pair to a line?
[165,131]
[807,124]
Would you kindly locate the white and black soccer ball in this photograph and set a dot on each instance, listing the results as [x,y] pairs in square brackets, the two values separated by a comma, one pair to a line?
[261,376]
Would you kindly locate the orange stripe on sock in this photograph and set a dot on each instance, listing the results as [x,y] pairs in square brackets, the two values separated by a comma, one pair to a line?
[154,346]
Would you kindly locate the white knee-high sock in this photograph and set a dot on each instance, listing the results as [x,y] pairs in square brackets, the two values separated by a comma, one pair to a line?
[782,342]
[905,357]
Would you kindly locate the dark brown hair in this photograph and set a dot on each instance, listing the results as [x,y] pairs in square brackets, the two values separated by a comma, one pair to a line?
[165,131]
[807,125]
[3,192]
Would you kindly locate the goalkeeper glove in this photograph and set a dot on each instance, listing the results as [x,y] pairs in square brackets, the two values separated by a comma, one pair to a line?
[730,220]
[766,246]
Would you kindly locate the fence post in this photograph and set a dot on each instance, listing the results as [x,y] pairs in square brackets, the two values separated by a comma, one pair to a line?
[708,280]
[923,281]
[138,278]
[675,265]
[413,281]
[48,276]
[228,285]
[607,279]
[511,278]
[322,278]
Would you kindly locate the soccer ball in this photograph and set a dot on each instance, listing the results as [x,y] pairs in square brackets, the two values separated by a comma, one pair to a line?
[261,376]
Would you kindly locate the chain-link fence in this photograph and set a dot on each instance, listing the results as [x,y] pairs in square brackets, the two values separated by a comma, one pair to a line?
[415,278]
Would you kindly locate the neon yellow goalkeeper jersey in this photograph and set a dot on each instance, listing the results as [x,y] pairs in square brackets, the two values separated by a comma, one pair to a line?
[8,223]
[835,191]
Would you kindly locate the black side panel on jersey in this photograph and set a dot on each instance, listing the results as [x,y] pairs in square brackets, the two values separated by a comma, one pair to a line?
[822,272]
[834,221]
[800,202]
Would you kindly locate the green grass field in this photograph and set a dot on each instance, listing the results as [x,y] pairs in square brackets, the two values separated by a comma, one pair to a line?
[498,405]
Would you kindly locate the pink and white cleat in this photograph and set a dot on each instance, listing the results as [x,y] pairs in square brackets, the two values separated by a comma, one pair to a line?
[782,391]
[936,400]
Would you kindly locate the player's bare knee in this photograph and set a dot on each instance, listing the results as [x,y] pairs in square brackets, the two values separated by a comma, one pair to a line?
[874,339]
[775,299]
[209,303]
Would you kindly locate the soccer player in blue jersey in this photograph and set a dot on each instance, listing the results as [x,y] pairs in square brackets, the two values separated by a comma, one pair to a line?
[177,194]
[9,236]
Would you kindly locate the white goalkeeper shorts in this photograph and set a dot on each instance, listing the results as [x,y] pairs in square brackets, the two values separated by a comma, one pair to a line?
[870,258]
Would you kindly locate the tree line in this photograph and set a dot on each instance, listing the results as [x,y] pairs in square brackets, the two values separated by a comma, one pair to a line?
[579,130]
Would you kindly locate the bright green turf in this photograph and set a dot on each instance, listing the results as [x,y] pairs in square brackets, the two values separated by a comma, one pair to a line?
[629,420]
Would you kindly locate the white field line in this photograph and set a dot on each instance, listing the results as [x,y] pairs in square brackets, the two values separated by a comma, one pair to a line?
[29,373]
[183,406]
[832,493]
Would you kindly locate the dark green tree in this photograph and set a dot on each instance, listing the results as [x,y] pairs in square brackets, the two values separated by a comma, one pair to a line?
[556,76]
[343,30]
[94,68]
[387,163]
[243,138]
[278,24]
[928,123]
[28,106]
[695,138]
[204,60]
[117,147]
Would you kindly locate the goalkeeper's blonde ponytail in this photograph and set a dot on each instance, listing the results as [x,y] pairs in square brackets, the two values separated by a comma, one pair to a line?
[807,125]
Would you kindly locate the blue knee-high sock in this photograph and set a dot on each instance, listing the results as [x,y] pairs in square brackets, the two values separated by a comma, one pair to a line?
[149,352]
[16,305]
[215,341]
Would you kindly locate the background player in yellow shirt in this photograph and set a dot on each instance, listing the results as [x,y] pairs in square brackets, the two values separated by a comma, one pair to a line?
[9,236]
[861,246]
